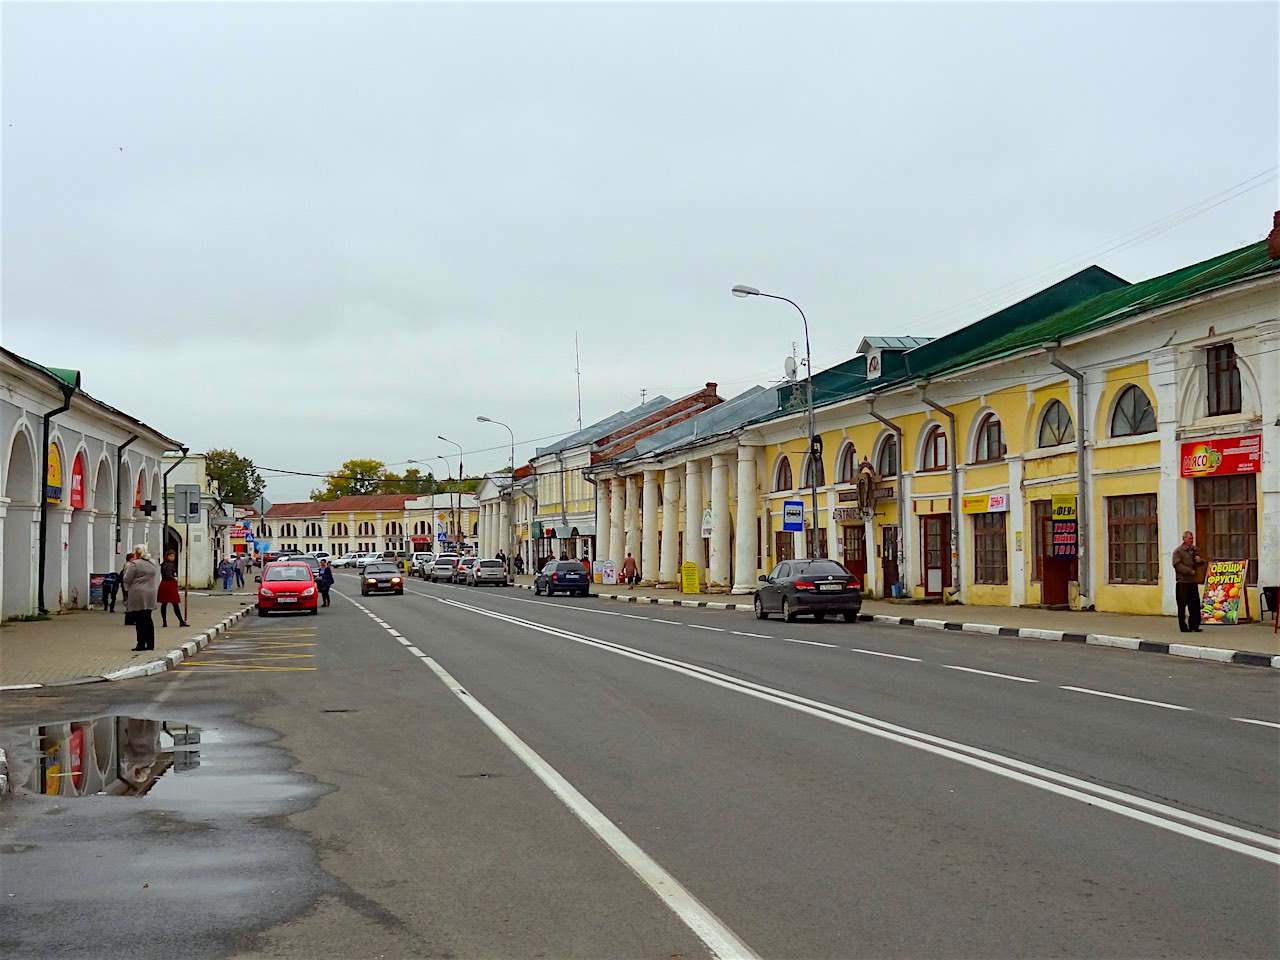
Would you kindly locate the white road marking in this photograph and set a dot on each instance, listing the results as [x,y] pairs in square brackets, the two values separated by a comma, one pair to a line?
[1261,723]
[170,690]
[720,940]
[634,616]
[988,673]
[892,656]
[812,643]
[698,626]
[394,633]
[672,623]
[1159,815]
[756,636]
[1117,696]
[415,651]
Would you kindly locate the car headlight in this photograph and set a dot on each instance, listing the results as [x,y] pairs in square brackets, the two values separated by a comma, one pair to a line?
[395,579]
[309,591]
[264,592]
[370,580]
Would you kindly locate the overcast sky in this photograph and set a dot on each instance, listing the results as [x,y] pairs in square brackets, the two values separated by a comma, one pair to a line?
[311,232]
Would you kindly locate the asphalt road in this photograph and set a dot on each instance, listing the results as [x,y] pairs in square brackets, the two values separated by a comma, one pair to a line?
[472,772]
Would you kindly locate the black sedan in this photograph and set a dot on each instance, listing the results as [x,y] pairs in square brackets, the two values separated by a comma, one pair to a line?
[381,577]
[811,588]
[562,576]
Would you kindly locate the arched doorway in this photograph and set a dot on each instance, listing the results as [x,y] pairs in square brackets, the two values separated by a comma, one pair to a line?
[20,520]
[78,546]
[104,523]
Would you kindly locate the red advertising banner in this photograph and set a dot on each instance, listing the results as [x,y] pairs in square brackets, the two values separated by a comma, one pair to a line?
[1212,457]
[77,484]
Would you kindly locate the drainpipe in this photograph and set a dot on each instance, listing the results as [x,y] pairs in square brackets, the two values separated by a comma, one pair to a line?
[564,507]
[119,460]
[903,569]
[595,512]
[956,566]
[1083,557]
[68,392]
[164,533]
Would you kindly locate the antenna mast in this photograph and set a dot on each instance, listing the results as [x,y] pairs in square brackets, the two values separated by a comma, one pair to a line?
[577,370]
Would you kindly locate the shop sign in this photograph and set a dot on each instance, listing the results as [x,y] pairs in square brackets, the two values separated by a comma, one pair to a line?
[708,525]
[1214,458]
[77,484]
[53,480]
[847,513]
[1223,590]
[1066,539]
[236,533]
[995,503]
[1063,506]
[847,496]
[689,577]
[793,515]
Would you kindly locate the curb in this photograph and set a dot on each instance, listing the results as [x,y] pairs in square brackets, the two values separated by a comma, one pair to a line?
[168,662]
[1215,654]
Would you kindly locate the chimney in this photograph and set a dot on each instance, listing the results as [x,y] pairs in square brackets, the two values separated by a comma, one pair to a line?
[711,387]
[1273,238]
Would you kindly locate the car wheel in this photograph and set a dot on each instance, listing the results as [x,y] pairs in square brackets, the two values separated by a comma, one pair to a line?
[364,593]
[584,593]
[315,611]
[537,590]
[761,613]
[788,614]
[819,617]
[399,593]
[261,612]
[851,617]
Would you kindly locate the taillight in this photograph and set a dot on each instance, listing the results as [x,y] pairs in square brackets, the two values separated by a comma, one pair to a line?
[853,585]
[803,585]
[555,576]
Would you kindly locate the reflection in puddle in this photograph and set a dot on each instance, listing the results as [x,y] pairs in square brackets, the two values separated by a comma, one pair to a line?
[112,755]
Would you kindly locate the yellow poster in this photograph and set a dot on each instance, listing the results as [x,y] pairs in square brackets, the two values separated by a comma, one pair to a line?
[689,577]
[53,481]
[1064,506]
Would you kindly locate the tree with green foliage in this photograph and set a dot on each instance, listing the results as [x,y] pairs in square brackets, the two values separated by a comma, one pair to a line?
[356,478]
[236,479]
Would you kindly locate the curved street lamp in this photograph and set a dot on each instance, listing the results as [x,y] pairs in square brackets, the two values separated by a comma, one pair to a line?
[511,485]
[457,513]
[742,290]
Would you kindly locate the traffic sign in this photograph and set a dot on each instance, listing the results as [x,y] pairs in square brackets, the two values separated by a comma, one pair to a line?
[793,515]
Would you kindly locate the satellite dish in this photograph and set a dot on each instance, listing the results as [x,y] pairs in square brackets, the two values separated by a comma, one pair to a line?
[790,368]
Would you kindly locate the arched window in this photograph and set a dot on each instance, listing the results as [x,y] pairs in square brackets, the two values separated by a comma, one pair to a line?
[1133,415]
[315,530]
[288,530]
[365,529]
[935,449]
[420,528]
[811,464]
[782,476]
[264,531]
[394,529]
[848,471]
[1056,427]
[338,530]
[887,459]
[990,445]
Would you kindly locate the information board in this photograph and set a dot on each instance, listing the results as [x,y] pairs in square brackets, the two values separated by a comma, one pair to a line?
[1223,592]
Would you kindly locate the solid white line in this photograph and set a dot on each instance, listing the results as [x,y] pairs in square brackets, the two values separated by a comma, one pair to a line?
[1116,696]
[634,616]
[1153,813]
[894,656]
[1261,723]
[698,626]
[756,636]
[720,940]
[987,673]
[170,690]
[812,643]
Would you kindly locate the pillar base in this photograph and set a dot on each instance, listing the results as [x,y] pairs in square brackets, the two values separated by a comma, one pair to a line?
[740,590]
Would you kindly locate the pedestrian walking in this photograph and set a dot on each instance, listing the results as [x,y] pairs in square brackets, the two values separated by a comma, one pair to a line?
[519,565]
[227,571]
[630,572]
[324,580]
[1187,565]
[168,593]
[110,586]
[239,563]
[142,580]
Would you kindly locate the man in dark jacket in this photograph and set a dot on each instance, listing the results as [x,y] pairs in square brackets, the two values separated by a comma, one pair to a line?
[1187,563]
[324,580]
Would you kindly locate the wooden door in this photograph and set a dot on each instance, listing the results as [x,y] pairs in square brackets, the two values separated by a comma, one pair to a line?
[935,534]
[855,551]
[889,559]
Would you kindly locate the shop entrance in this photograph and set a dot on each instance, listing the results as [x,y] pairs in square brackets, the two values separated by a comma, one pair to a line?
[1227,519]
[855,551]
[890,577]
[935,535]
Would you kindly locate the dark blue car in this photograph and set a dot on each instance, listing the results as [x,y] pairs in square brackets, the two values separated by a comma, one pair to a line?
[562,576]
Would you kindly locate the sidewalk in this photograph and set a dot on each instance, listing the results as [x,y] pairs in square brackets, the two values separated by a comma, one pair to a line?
[88,645]
[1252,644]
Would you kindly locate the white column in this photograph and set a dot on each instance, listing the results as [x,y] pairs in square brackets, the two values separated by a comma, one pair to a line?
[1268,361]
[693,513]
[617,519]
[1016,522]
[604,520]
[744,552]
[633,519]
[720,575]
[504,528]
[1171,521]
[57,593]
[669,570]
[871,586]
[649,534]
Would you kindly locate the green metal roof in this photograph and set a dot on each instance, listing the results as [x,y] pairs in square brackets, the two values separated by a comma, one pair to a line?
[1084,302]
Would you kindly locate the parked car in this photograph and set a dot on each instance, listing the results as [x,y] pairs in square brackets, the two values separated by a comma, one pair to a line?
[443,567]
[460,572]
[346,560]
[808,588]
[420,563]
[366,558]
[381,577]
[285,585]
[320,555]
[309,560]
[562,576]
[487,571]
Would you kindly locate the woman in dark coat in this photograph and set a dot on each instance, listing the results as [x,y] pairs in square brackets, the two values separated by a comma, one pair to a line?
[142,580]
[169,589]
[324,580]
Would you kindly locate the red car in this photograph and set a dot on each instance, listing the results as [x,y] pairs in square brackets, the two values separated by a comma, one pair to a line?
[287,586]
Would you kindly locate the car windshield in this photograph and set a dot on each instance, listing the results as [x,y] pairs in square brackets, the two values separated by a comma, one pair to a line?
[818,568]
[380,568]
[293,571]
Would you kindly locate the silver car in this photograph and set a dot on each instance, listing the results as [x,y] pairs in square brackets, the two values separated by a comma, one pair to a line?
[443,568]
[487,571]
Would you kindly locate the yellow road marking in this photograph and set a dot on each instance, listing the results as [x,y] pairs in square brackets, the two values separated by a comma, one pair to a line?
[245,666]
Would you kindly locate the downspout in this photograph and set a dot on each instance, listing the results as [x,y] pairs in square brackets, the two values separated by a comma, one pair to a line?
[595,513]
[68,391]
[1083,557]
[903,567]
[119,460]
[164,532]
[953,464]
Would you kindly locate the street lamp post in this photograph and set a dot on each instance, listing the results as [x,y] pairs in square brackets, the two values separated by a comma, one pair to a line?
[742,290]
[457,519]
[511,488]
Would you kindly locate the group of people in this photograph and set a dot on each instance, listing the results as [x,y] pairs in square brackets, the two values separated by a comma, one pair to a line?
[233,568]
[145,586]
